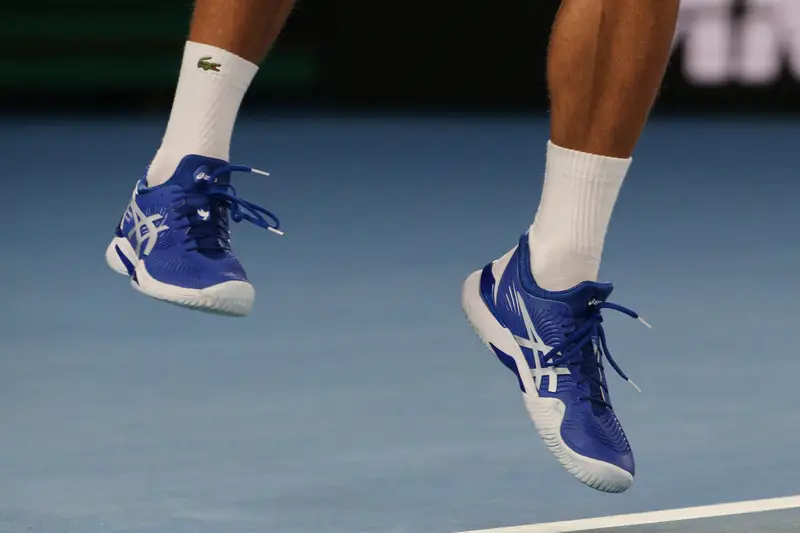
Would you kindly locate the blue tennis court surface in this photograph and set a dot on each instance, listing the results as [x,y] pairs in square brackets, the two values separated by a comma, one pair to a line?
[356,399]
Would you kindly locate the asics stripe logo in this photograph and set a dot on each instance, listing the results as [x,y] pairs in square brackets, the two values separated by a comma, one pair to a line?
[539,349]
[145,231]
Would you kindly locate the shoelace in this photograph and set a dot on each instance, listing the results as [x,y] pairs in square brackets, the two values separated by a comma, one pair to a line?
[205,211]
[571,351]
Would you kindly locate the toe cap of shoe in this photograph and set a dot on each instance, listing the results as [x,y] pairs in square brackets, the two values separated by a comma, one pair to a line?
[597,435]
[196,271]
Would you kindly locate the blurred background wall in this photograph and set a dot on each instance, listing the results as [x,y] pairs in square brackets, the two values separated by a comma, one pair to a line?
[123,55]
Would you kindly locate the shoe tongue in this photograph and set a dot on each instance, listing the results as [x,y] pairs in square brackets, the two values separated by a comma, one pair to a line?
[209,222]
[194,169]
[581,296]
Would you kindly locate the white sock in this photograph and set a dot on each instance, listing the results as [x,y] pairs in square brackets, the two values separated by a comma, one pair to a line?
[566,238]
[204,110]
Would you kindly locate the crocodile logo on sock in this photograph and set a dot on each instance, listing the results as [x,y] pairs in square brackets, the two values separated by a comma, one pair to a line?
[206,64]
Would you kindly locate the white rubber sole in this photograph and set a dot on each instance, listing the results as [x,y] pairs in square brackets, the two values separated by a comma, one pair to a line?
[231,298]
[547,413]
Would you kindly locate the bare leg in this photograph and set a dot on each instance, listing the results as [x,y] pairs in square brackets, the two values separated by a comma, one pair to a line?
[246,28]
[606,62]
[227,41]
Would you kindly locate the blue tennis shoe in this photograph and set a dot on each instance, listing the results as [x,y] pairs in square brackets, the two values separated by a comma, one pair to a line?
[174,239]
[555,345]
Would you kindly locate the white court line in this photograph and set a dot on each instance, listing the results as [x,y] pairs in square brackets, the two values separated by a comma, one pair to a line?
[656,517]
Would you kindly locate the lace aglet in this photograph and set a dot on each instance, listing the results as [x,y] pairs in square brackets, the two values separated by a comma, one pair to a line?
[276,231]
[635,386]
[256,171]
[645,322]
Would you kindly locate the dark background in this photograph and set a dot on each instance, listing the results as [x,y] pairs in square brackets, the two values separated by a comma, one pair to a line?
[90,55]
